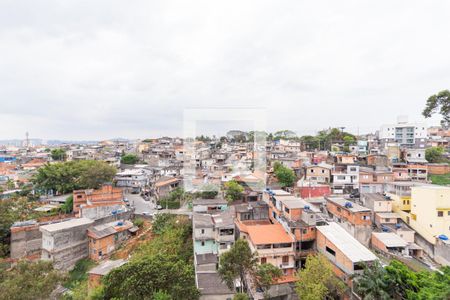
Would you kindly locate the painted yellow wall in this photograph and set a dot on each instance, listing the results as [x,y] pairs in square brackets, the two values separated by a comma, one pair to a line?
[426,201]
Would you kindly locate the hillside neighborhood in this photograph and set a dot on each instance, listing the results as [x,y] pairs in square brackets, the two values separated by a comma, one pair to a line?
[109,216]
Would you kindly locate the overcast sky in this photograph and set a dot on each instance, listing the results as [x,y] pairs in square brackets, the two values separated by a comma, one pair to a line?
[103,69]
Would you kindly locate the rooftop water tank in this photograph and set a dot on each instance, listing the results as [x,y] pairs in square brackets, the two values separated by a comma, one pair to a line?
[443,237]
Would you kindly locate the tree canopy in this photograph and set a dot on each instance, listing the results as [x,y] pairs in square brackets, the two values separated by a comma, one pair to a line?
[236,263]
[439,103]
[64,177]
[435,155]
[29,280]
[233,190]
[58,154]
[286,177]
[129,159]
[266,275]
[397,281]
[160,268]
[317,280]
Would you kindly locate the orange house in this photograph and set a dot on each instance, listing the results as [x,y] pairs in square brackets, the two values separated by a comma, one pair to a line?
[348,211]
[104,239]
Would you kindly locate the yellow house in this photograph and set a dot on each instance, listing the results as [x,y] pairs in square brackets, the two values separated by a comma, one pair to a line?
[430,211]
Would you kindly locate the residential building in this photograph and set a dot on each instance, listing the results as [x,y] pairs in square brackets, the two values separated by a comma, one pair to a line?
[377,202]
[347,254]
[106,196]
[105,238]
[374,181]
[407,135]
[354,218]
[320,173]
[345,179]
[393,244]
[204,234]
[66,242]
[132,180]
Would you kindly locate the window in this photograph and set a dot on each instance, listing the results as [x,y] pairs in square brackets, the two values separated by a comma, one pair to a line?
[304,231]
[203,243]
[387,220]
[440,213]
[448,213]
[79,196]
[331,251]
[263,260]
[323,171]
[203,231]
[312,171]
[285,259]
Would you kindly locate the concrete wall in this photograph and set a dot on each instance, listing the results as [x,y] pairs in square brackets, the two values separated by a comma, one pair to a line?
[442,253]
[25,241]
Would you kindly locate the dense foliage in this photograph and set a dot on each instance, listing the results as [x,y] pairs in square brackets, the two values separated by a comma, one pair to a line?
[286,177]
[325,138]
[266,275]
[236,263]
[64,177]
[317,280]
[58,154]
[397,281]
[441,102]
[435,155]
[161,268]
[173,199]
[67,207]
[233,190]
[209,191]
[29,280]
[129,159]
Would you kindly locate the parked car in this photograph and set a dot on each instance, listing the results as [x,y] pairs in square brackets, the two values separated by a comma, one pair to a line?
[146,213]
[159,207]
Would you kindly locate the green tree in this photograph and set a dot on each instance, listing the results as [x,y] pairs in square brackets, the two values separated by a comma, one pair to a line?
[317,280]
[67,207]
[373,283]
[58,154]
[435,155]
[159,295]
[310,142]
[439,103]
[157,273]
[233,190]
[29,280]
[266,275]
[209,191]
[129,159]
[286,177]
[236,263]
[402,282]
[64,177]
